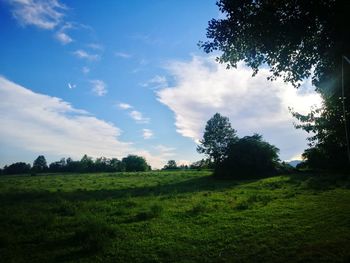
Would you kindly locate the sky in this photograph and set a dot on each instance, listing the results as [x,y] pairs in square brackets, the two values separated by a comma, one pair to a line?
[112,78]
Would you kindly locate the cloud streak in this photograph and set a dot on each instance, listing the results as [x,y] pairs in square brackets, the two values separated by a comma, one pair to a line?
[147,134]
[138,117]
[253,104]
[85,55]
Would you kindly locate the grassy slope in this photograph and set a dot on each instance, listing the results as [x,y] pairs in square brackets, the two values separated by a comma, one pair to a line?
[173,216]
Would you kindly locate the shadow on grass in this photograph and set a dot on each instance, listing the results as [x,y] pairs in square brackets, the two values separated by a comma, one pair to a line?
[192,185]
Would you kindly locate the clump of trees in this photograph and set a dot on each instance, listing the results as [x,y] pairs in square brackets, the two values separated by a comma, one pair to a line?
[131,163]
[237,157]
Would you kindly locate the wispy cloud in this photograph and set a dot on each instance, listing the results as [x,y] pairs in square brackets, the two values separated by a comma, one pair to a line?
[85,70]
[253,104]
[147,134]
[165,151]
[71,86]
[157,82]
[95,46]
[63,38]
[122,55]
[54,127]
[45,14]
[85,55]
[138,117]
[99,87]
[124,106]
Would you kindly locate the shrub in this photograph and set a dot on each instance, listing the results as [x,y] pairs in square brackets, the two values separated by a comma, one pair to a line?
[250,156]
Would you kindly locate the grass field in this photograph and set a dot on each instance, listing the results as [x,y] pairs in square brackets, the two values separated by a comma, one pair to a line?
[183,216]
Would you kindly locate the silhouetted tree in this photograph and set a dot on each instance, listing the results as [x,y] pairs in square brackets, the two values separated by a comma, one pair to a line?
[171,165]
[58,166]
[86,164]
[217,136]
[249,156]
[134,163]
[17,168]
[39,164]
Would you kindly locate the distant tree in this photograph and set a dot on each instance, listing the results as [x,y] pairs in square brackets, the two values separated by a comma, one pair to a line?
[39,164]
[17,168]
[249,156]
[58,166]
[171,165]
[217,136]
[116,165]
[202,164]
[134,163]
[86,164]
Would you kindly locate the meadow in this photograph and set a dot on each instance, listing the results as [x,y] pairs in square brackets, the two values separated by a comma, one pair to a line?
[174,216]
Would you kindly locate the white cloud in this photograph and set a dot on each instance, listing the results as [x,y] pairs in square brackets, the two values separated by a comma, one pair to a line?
[253,104]
[157,82]
[85,70]
[71,86]
[45,14]
[95,46]
[124,106]
[147,134]
[138,117]
[63,38]
[99,87]
[48,125]
[165,151]
[85,55]
[122,55]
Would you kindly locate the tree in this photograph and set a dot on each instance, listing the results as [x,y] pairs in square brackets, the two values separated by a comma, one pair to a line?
[86,164]
[134,163]
[296,39]
[171,165]
[17,168]
[39,164]
[217,136]
[249,156]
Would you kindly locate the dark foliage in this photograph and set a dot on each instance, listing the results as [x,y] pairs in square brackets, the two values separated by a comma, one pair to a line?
[171,165]
[17,168]
[217,136]
[39,164]
[247,157]
[134,163]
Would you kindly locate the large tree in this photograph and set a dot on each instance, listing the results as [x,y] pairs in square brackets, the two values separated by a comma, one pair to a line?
[39,164]
[296,39]
[217,136]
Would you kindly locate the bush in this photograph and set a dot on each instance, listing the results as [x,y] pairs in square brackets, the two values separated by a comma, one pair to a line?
[250,156]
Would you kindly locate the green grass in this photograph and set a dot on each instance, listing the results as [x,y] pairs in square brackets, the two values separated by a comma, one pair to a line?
[173,217]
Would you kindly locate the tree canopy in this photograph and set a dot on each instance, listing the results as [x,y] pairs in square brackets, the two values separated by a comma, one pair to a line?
[249,156]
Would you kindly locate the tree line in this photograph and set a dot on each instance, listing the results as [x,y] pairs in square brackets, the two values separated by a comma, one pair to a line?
[131,163]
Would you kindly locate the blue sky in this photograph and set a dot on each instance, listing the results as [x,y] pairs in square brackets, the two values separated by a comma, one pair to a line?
[111,78]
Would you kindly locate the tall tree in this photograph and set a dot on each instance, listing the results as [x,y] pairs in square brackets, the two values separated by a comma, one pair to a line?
[297,39]
[39,164]
[217,136]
